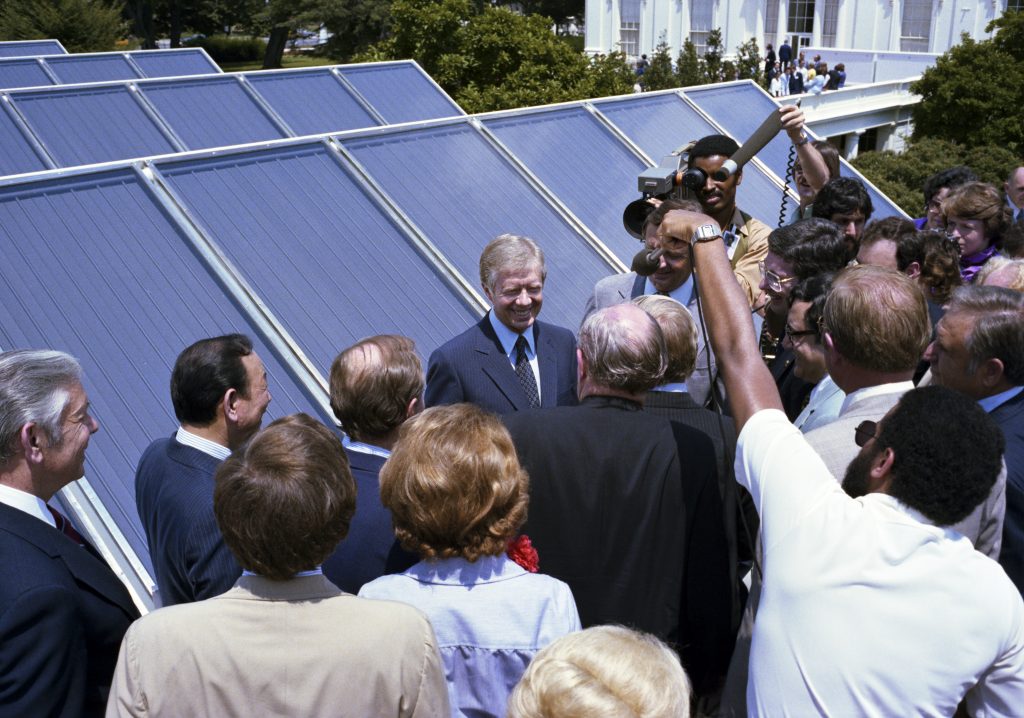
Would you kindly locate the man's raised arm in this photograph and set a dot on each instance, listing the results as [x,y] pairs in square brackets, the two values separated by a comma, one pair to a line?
[748,382]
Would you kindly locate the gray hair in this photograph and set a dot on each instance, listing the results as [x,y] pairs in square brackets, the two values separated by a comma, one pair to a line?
[624,349]
[679,330]
[34,388]
[509,252]
[996,330]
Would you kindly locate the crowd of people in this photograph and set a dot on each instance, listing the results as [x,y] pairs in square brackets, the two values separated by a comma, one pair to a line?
[781,473]
[787,75]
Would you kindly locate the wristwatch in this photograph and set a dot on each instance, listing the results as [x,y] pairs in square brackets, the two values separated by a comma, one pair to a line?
[706,233]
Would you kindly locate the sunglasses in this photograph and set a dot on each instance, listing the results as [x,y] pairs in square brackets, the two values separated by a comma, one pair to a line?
[864,432]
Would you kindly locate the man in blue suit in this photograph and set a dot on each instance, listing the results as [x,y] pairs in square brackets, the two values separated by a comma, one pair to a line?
[219,392]
[508,361]
[376,384]
[979,351]
[63,612]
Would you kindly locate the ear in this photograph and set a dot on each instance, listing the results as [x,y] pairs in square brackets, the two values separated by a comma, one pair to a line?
[913,270]
[414,407]
[230,405]
[488,294]
[991,372]
[880,476]
[33,440]
[739,176]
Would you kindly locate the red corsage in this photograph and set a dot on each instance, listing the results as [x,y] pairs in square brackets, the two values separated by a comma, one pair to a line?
[521,551]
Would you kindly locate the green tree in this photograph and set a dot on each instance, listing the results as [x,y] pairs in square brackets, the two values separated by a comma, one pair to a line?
[711,63]
[974,93]
[81,25]
[902,176]
[659,75]
[355,24]
[495,58]
[748,60]
[688,68]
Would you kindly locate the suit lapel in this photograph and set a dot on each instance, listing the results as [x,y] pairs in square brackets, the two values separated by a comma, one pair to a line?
[84,565]
[495,365]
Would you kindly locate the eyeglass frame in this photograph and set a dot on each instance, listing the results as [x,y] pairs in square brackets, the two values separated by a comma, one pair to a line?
[775,282]
[868,427]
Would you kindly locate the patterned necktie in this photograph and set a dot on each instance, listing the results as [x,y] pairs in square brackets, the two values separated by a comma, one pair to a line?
[525,373]
[65,527]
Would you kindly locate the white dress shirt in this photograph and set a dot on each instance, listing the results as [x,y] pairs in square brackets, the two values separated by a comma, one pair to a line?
[29,503]
[823,406]
[508,338]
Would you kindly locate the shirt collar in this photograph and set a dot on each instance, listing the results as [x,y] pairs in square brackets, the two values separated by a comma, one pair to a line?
[896,387]
[211,448]
[990,403]
[894,503]
[459,571]
[370,449]
[29,503]
[508,338]
[318,571]
[682,294]
[674,387]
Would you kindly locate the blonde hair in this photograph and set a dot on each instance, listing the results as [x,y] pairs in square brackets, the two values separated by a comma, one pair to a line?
[679,330]
[454,485]
[606,671]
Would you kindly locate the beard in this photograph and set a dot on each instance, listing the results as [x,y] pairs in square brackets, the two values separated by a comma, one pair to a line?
[858,474]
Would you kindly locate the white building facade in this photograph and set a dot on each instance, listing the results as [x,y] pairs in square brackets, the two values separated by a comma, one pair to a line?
[636,27]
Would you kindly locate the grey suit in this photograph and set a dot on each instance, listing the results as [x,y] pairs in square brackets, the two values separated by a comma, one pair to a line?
[621,288]
[834,443]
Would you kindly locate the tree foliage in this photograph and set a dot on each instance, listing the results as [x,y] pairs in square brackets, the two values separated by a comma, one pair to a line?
[660,75]
[493,58]
[80,25]
[689,70]
[974,93]
[902,176]
[748,61]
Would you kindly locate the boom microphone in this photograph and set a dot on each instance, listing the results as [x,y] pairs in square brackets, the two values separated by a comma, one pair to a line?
[646,262]
[754,144]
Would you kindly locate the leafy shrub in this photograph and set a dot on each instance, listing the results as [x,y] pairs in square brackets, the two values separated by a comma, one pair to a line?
[230,48]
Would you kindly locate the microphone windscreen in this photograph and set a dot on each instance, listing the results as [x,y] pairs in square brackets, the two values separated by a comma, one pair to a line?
[646,263]
[754,144]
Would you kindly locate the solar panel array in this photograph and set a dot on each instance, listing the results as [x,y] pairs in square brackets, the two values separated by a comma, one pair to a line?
[53,127]
[309,244]
[40,71]
[30,48]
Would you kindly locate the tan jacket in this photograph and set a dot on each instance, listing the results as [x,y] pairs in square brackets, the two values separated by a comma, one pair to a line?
[752,248]
[280,648]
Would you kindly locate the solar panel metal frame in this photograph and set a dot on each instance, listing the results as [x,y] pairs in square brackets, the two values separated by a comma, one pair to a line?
[129,56]
[28,43]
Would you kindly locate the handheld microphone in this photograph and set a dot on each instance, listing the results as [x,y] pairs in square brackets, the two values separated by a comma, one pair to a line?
[646,261]
[754,144]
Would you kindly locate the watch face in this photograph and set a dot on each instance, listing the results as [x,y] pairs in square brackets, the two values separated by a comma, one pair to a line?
[706,231]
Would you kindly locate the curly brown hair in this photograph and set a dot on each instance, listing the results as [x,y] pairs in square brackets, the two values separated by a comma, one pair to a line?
[454,485]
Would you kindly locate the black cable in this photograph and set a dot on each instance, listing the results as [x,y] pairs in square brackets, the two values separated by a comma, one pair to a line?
[785,184]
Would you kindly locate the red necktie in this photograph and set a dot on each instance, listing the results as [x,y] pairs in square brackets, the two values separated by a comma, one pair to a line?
[65,527]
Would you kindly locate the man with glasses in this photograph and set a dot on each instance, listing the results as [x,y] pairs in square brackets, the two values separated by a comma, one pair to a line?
[870,604]
[795,252]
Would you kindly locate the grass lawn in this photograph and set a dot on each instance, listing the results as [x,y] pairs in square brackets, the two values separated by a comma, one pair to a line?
[289,61]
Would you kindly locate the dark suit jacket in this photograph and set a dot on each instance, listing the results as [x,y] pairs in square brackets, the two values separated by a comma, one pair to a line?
[624,507]
[1010,417]
[793,390]
[474,368]
[681,407]
[174,496]
[63,613]
[370,549]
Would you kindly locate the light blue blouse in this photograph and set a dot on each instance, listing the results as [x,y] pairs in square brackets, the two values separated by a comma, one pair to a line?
[490,617]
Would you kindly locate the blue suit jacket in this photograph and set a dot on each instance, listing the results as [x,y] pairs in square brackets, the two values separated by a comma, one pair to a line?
[370,549]
[474,368]
[1010,417]
[174,496]
[63,613]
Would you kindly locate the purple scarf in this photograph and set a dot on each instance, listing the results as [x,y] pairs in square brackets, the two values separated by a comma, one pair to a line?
[972,263]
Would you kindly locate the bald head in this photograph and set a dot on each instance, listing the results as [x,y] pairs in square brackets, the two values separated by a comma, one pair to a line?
[376,384]
[622,351]
[1015,187]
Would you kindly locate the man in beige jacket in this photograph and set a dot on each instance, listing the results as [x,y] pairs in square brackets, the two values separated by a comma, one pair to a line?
[284,640]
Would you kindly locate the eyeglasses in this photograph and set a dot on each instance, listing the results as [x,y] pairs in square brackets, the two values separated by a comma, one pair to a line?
[864,432]
[794,334]
[773,280]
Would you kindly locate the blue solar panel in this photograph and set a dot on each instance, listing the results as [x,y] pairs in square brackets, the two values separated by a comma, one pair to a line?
[31,48]
[583,163]
[16,154]
[660,124]
[311,101]
[458,189]
[92,68]
[724,103]
[93,267]
[174,63]
[401,92]
[327,262]
[22,73]
[82,126]
[211,112]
